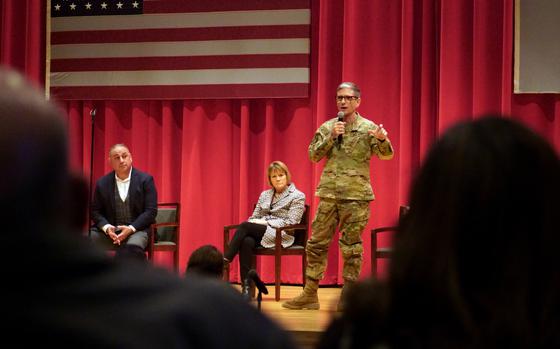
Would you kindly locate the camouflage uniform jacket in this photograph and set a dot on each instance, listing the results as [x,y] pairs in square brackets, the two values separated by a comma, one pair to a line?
[346,174]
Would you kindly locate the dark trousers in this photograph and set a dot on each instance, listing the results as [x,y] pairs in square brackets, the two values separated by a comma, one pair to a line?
[246,238]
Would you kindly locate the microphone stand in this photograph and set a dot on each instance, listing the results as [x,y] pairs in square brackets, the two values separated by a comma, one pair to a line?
[88,221]
[245,290]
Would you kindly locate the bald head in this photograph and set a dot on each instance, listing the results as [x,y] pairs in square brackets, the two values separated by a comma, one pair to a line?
[33,159]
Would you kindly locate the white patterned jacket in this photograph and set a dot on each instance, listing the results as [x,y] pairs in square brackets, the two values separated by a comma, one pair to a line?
[287,210]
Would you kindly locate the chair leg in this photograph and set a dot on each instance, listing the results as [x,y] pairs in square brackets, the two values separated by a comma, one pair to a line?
[373,252]
[277,275]
[225,275]
[303,266]
[374,266]
[226,272]
[252,288]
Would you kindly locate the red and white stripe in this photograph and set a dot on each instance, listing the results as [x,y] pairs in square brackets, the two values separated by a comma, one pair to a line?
[179,50]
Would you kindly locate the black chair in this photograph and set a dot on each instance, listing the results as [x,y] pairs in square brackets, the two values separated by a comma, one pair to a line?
[164,233]
[300,232]
[383,252]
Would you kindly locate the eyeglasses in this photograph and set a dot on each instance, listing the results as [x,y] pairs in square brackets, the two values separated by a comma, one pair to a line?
[347,98]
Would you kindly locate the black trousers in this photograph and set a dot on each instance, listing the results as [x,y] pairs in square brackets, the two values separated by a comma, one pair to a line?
[246,238]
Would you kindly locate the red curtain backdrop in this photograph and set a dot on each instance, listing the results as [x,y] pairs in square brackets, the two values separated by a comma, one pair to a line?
[422,66]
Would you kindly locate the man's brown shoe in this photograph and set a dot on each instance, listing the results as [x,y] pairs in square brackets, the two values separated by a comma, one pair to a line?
[303,301]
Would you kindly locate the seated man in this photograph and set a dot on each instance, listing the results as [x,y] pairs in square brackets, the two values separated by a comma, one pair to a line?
[124,204]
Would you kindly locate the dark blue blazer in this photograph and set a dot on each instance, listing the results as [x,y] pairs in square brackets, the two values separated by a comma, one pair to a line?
[142,195]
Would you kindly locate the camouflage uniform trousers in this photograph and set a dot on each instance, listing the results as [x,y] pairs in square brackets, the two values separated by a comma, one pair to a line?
[352,216]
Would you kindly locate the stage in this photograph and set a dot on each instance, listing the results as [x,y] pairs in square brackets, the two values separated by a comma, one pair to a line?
[304,325]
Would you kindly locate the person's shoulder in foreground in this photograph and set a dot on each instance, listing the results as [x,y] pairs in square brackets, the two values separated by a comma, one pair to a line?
[85,300]
[59,291]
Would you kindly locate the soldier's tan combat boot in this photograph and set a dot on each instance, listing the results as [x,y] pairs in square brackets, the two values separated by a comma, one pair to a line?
[343,294]
[308,299]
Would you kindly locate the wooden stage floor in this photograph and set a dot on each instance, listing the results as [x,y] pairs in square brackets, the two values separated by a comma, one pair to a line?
[305,326]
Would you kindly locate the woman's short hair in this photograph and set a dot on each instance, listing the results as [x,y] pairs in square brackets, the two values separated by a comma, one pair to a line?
[278,166]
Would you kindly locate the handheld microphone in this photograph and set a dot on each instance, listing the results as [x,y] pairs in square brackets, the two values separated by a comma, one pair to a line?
[340,116]
[252,274]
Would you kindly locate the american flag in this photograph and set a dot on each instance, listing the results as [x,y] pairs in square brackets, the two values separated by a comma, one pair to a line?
[168,49]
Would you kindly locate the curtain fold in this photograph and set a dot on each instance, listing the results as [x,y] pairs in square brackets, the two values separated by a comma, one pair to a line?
[22,38]
[422,66]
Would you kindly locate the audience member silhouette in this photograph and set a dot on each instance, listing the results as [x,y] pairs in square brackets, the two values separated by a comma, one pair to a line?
[60,291]
[206,260]
[475,263]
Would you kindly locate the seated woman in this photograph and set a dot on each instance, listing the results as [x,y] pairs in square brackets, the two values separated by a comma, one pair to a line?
[279,206]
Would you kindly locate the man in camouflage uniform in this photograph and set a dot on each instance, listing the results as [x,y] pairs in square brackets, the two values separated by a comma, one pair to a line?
[345,191]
